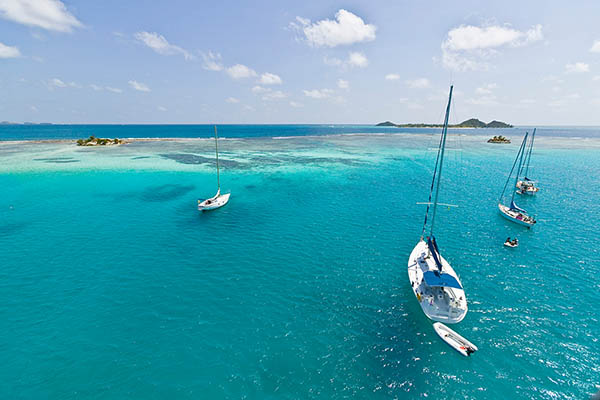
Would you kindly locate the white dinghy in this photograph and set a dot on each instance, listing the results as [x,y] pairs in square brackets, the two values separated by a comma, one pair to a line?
[434,282]
[218,200]
[454,340]
[513,212]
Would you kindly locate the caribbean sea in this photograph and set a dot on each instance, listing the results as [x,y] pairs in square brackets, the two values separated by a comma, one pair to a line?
[113,285]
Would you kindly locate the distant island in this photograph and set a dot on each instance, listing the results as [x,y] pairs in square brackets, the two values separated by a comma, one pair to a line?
[94,141]
[470,123]
[499,139]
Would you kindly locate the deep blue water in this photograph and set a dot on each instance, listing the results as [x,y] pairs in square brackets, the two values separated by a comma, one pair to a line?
[113,286]
[44,132]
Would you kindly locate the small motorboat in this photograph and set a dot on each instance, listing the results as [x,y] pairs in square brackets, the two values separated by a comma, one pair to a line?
[454,340]
[511,243]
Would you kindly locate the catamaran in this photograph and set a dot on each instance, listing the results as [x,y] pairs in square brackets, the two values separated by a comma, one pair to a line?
[513,212]
[526,185]
[218,200]
[434,283]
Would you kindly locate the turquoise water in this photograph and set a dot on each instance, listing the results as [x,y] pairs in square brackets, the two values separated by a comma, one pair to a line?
[113,286]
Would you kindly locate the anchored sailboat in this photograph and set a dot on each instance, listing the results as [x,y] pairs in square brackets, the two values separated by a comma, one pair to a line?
[526,185]
[218,200]
[434,283]
[513,212]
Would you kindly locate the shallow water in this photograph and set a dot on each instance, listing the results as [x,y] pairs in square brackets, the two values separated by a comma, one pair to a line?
[114,286]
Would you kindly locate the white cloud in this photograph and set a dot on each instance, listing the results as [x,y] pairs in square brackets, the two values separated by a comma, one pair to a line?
[212,61]
[240,71]
[139,86]
[355,59]
[47,14]
[466,47]
[343,84]
[392,77]
[259,89]
[595,47]
[596,78]
[420,83]
[57,83]
[346,29]
[483,100]
[296,104]
[486,89]
[274,95]
[269,79]
[161,108]
[96,87]
[114,90]
[232,100]
[159,44]
[318,93]
[577,67]
[9,51]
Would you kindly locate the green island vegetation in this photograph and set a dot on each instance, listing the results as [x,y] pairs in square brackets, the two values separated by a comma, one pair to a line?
[470,123]
[94,141]
[499,139]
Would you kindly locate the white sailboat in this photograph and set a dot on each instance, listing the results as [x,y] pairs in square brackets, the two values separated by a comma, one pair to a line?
[526,185]
[434,282]
[218,200]
[513,212]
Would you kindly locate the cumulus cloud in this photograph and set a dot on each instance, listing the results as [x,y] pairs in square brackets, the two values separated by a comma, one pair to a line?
[577,67]
[466,47]
[259,89]
[318,93]
[296,104]
[46,14]
[212,61]
[96,87]
[346,29]
[240,71]
[232,100]
[355,59]
[159,44]
[595,47]
[392,77]
[274,95]
[486,89]
[58,83]
[343,84]
[420,83]
[270,79]
[141,87]
[114,90]
[9,51]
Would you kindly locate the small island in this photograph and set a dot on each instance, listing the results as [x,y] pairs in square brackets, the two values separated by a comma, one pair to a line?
[499,139]
[470,123]
[94,141]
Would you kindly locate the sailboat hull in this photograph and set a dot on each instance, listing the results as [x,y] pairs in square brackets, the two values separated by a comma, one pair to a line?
[525,188]
[448,305]
[213,203]
[513,216]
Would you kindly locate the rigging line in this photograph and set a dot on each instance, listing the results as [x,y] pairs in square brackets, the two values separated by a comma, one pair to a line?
[529,155]
[444,135]
[513,167]
[512,199]
[217,156]
[432,183]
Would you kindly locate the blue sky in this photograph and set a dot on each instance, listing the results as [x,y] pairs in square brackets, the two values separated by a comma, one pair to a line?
[534,62]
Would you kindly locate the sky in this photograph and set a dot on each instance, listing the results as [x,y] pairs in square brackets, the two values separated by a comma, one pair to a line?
[355,62]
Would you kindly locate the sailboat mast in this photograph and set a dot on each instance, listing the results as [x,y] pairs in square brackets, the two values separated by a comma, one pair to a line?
[439,178]
[217,153]
[522,151]
[529,153]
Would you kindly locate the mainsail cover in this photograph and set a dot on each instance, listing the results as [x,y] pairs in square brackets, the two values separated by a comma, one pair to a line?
[433,248]
[513,206]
